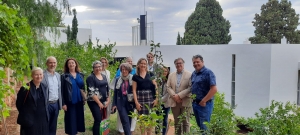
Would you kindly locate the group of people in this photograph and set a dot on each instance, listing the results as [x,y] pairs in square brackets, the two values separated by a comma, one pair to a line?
[133,89]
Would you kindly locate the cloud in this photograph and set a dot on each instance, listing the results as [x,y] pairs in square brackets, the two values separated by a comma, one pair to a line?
[114,19]
[184,13]
[82,8]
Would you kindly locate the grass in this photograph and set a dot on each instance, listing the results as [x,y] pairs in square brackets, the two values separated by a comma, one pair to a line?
[89,120]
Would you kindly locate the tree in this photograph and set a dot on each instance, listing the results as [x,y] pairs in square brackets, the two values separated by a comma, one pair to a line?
[206,25]
[74,27]
[41,16]
[277,19]
[85,54]
[178,42]
[72,33]
[68,32]
[41,13]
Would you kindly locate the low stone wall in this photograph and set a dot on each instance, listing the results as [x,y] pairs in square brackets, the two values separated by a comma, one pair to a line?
[10,100]
[8,80]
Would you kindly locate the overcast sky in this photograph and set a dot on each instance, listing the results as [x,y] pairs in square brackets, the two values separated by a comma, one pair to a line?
[113,19]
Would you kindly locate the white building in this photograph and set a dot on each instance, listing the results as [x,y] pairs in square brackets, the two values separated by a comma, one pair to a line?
[251,76]
[83,36]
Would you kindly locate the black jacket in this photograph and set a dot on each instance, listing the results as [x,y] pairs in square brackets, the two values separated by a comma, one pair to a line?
[66,87]
[28,107]
[118,94]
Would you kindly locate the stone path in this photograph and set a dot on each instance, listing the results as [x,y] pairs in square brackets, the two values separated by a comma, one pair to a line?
[171,130]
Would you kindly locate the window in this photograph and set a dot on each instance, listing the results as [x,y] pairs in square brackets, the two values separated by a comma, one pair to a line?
[233,82]
[298,89]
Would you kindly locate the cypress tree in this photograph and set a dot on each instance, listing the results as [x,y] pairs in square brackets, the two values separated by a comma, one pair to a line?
[206,25]
[178,42]
[74,27]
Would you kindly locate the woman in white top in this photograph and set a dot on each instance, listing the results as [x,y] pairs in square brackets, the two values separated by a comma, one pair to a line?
[104,61]
[106,72]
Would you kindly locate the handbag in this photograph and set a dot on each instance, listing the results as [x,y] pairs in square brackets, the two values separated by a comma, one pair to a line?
[104,125]
[23,118]
[130,97]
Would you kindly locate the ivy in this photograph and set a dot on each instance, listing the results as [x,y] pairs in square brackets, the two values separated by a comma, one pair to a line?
[15,38]
[42,15]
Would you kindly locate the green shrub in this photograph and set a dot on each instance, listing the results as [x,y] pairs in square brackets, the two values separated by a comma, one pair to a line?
[222,119]
[278,119]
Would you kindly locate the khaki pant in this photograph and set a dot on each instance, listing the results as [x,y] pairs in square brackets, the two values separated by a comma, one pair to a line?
[182,123]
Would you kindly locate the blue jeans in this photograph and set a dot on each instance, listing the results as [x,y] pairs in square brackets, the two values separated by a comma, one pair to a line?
[165,120]
[124,111]
[202,114]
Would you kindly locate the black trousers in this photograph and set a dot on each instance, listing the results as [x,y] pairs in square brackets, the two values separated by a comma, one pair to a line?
[97,114]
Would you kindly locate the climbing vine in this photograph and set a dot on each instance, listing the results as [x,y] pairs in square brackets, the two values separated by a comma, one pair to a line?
[15,37]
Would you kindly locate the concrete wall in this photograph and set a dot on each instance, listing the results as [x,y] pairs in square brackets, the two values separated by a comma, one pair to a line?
[284,72]
[83,36]
[253,65]
[252,78]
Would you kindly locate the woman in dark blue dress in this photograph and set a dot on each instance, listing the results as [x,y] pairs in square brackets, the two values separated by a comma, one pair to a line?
[98,95]
[71,86]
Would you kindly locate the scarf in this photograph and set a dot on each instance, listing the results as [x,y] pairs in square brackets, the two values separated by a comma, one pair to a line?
[120,80]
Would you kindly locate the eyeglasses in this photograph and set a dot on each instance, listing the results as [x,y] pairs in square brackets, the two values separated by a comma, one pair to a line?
[179,63]
[97,67]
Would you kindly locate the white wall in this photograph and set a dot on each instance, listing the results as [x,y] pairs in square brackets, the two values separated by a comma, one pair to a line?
[83,36]
[252,69]
[252,78]
[284,72]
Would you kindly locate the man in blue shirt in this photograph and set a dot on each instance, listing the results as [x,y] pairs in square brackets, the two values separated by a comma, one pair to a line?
[128,60]
[203,83]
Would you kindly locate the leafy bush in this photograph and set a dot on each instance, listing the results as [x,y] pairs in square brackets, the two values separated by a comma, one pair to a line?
[148,121]
[85,54]
[15,38]
[222,120]
[278,119]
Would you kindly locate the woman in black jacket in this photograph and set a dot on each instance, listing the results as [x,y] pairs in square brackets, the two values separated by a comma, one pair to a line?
[72,86]
[32,105]
[98,95]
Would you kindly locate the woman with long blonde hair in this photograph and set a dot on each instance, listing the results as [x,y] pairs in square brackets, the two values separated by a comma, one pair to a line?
[144,90]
